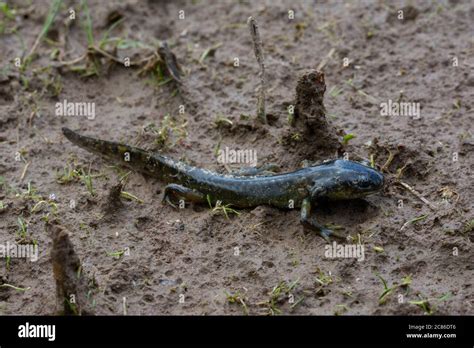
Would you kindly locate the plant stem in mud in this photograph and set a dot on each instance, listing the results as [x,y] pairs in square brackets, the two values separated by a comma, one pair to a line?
[258,49]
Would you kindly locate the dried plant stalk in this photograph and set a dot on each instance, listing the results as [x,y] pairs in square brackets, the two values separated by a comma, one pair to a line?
[258,49]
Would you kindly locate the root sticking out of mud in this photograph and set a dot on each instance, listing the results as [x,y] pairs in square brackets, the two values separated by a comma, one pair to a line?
[72,290]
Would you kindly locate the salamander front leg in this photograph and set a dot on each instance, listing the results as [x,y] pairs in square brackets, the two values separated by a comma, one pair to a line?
[175,194]
[309,221]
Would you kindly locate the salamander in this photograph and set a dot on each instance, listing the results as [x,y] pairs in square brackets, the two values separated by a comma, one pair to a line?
[337,179]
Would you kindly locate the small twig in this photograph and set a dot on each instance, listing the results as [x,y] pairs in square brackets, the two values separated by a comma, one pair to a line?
[124,305]
[326,59]
[24,171]
[147,59]
[209,51]
[5,285]
[388,162]
[370,98]
[107,54]
[257,46]
[418,195]
[130,196]
[70,62]
[413,221]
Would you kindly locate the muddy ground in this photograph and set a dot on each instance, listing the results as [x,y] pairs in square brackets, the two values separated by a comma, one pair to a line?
[144,257]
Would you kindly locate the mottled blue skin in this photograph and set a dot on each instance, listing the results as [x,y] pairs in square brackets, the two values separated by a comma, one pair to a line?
[335,180]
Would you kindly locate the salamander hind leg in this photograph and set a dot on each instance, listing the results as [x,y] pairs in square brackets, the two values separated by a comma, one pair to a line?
[309,221]
[177,195]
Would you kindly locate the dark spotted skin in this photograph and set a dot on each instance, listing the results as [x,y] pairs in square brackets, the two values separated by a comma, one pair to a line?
[336,179]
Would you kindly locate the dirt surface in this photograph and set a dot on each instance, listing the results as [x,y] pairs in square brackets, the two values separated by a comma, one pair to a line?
[144,257]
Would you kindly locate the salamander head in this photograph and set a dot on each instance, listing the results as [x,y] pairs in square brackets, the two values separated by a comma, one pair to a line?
[354,180]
